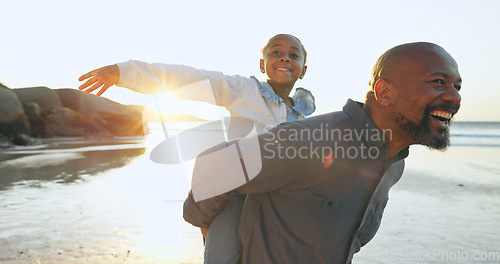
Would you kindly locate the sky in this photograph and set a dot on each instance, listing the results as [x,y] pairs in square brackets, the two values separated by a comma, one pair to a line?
[51,43]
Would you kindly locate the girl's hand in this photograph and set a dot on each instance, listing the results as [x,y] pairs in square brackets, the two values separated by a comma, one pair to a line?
[100,78]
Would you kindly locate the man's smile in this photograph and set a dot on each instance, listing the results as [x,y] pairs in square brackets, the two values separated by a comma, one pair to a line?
[443,117]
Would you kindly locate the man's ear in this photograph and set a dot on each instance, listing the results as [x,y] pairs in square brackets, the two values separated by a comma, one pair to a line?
[262,69]
[382,92]
[303,72]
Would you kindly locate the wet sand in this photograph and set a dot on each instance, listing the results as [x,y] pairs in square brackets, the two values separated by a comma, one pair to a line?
[445,209]
[116,206]
[111,205]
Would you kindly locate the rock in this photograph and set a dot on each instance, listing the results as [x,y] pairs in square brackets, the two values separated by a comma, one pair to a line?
[43,112]
[37,122]
[120,120]
[13,120]
[25,140]
[90,104]
[45,98]
[5,142]
[32,110]
[62,121]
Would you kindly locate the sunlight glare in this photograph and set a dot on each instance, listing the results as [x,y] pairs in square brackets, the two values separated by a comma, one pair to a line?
[169,105]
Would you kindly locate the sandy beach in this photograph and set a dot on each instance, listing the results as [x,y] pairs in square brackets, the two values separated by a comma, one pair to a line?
[445,209]
[116,206]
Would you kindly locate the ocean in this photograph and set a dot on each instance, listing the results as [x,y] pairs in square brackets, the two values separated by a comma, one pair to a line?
[107,202]
[481,134]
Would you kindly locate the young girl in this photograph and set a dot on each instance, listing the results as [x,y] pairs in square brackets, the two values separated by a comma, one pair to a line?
[267,104]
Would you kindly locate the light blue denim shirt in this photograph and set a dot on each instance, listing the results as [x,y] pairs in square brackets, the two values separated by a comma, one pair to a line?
[303,101]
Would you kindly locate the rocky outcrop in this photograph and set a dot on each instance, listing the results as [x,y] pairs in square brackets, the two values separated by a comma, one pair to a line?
[5,142]
[45,98]
[37,122]
[13,120]
[65,122]
[120,120]
[42,112]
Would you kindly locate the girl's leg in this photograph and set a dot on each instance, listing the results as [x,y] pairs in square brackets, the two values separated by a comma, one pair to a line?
[221,244]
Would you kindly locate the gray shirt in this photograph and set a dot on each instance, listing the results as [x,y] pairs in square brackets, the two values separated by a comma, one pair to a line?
[320,194]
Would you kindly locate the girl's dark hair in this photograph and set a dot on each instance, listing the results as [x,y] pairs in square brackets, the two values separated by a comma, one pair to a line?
[285,35]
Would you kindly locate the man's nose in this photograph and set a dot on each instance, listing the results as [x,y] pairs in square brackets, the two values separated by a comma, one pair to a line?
[452,95]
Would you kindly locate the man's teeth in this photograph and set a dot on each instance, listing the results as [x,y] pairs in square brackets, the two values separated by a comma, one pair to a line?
[283,69]
[446,115]
[442,116]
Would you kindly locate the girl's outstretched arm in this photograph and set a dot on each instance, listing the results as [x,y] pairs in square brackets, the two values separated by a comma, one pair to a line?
[157,78]
[101,78]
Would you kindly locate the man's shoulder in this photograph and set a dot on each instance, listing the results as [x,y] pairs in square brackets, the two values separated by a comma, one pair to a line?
[332,119]
[351,109]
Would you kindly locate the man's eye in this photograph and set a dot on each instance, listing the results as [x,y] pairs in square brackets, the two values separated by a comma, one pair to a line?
[277,52]
[439,81]
[295,55]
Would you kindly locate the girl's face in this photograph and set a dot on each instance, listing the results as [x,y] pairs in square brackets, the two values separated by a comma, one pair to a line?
[283,61]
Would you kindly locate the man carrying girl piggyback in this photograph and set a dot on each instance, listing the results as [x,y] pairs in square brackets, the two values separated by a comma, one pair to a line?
[266,104]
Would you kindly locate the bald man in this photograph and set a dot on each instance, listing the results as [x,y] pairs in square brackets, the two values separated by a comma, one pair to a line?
[324,182]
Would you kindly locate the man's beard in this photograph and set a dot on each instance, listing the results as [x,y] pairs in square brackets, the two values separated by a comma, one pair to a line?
[421,132]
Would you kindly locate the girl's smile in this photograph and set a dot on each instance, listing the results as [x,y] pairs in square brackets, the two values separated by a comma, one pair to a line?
[283,62]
